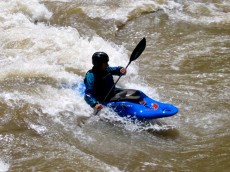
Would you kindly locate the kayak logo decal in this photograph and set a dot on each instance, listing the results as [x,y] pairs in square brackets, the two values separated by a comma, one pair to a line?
[155,106]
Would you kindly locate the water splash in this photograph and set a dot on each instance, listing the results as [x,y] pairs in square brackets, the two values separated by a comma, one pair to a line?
[4,167]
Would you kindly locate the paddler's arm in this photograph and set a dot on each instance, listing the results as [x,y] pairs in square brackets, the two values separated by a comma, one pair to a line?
[89,98]
[117,70]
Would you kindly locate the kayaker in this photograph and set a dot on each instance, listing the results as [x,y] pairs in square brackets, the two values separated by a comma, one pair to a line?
[99,80]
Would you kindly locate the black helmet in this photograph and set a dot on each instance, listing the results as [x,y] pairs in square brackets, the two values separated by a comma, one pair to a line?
[99,57]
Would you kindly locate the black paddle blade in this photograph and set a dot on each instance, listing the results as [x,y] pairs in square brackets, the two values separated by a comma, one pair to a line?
[138,50]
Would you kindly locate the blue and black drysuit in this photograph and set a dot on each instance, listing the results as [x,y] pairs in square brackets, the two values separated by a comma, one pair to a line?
[98,84]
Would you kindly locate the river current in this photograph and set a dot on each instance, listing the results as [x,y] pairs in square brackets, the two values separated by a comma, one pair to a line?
[46,48]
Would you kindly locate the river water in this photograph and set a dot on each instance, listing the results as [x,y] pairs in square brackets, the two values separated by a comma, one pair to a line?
[46,48]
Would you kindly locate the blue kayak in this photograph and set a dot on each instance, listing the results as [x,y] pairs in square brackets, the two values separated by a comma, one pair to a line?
[135,104]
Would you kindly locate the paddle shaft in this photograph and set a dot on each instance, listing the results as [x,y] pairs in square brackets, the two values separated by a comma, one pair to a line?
[112,87]
[135,54]
[115,83]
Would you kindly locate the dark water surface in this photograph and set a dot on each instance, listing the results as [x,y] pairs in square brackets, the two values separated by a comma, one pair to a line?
[46,48]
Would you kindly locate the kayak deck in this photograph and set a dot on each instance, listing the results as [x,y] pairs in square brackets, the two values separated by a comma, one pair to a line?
[143,109]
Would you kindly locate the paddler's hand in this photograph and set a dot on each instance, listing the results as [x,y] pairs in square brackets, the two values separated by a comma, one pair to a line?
[123,71]
[98,107]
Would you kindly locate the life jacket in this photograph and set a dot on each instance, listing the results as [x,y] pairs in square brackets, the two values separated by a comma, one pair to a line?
[102,84]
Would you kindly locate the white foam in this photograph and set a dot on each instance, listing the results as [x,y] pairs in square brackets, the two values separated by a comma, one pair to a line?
[31,9]
[198,13]
[38,128]
[126,10]
[30,52]
[4,166]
